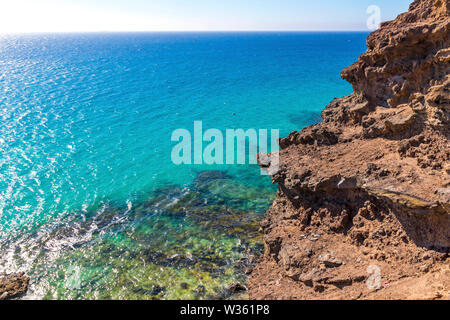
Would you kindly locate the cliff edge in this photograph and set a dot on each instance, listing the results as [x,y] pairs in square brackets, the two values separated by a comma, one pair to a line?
[363,202]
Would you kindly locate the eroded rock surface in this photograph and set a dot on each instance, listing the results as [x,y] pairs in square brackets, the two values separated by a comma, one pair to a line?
[13,285]
[363,206]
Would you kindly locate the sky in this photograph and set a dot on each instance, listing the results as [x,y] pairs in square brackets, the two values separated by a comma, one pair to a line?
[190,15]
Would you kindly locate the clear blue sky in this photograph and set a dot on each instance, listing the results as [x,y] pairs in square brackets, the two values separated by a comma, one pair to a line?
[208,15]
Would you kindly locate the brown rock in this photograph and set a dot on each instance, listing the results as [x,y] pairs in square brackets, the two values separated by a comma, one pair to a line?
[13,285]
[372,179]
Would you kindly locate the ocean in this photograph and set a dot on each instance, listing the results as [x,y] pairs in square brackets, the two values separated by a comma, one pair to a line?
[91,205]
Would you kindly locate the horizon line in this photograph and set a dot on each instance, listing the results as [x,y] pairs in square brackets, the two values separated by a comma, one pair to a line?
[177,31]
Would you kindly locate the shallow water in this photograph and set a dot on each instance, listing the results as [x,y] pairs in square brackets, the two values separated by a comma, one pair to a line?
[91,205]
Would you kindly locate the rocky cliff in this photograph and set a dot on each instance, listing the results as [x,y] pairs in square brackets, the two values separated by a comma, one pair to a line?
[363,202]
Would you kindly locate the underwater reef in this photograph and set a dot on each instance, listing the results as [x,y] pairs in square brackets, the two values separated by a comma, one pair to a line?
[363,202]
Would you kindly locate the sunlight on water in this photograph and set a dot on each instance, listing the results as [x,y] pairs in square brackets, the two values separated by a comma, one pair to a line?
[89,198]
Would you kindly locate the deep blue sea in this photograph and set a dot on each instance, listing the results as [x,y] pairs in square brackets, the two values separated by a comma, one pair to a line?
[91,205]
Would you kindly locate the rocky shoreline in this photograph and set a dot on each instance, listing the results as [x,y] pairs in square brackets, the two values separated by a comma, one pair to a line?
[13,285]
[363,202]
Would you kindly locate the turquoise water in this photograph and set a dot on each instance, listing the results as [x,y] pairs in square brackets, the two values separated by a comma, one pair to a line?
[91,205]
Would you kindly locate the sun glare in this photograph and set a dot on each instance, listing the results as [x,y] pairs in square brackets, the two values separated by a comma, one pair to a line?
[28,16]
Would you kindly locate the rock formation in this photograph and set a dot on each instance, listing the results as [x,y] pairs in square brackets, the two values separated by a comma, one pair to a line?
[363,204]
[13,285]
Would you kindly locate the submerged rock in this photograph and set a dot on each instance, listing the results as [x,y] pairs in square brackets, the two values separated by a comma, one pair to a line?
[237,287]
[162,247]
[210,175]
[329,260]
